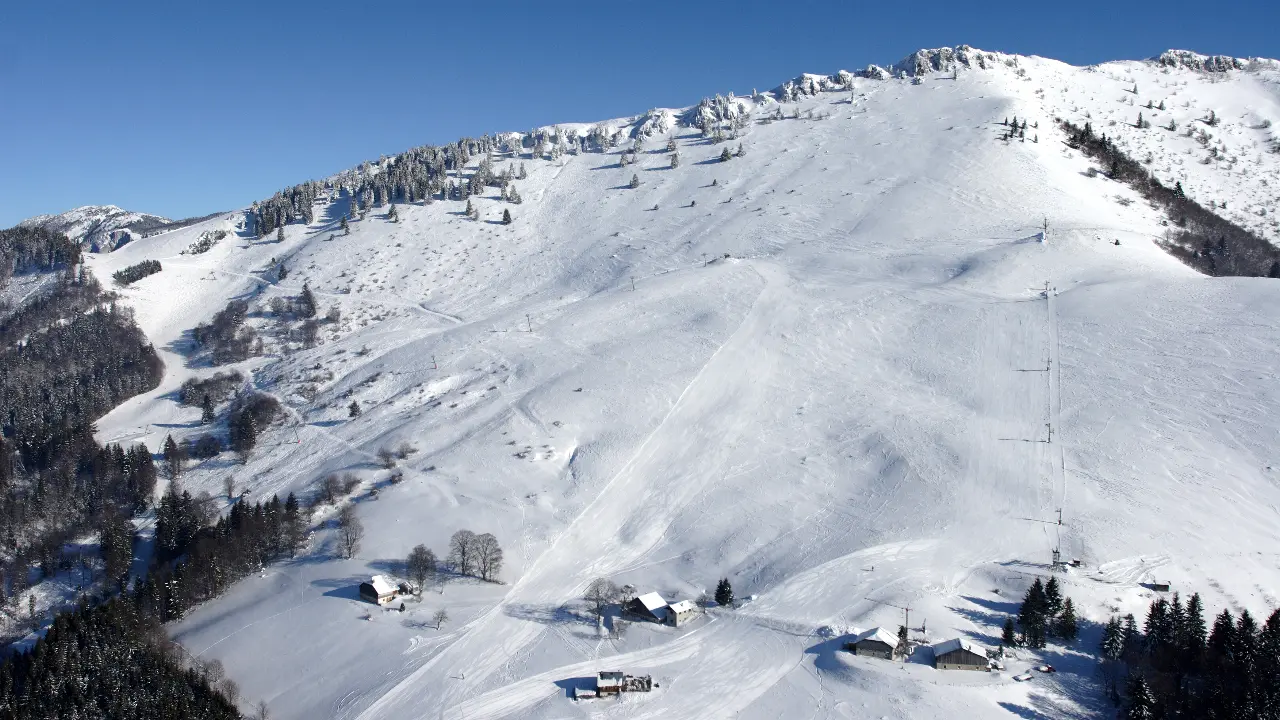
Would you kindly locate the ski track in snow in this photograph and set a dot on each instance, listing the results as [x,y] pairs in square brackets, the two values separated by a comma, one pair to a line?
[845,415]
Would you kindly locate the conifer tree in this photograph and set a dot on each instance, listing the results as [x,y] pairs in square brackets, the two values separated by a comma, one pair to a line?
[1032,616]
[353,410]
[724,593]
[725,155]
[671,144]
[506,216]
[1142,703]
[173,457]
[306,305]
[1192,646]
[1052,597]
[675,160]
[635,182]
[1066,626]
[280,234]
[345,225]
[207,414]
[391,213]
[1007,637]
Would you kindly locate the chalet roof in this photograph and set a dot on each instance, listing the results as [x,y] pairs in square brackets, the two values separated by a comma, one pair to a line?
[954,644]
[682,606]
[382,585]
[878,634]
[652,602]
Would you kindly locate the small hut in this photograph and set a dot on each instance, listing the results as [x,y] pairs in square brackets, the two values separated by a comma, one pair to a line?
[960,654]
[681,612]
[876,642]
[649,607]
[378,590]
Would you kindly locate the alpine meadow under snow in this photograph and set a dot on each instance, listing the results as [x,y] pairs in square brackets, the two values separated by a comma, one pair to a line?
[846,367]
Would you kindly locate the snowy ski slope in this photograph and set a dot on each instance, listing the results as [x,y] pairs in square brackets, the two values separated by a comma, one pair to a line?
[831,384]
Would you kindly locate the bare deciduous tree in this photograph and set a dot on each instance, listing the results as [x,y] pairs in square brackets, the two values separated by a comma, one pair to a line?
[386,458]
[600,593]
[350,531]
[488,556]
[462,549]
[421,565]
[440,617]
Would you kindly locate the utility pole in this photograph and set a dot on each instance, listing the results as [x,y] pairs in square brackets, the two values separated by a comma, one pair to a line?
[906,611]
[529,320]
[633,283]
[434,366]
[1050,426]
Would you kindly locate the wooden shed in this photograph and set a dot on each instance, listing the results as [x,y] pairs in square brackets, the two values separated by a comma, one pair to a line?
[876,642]
[960,654]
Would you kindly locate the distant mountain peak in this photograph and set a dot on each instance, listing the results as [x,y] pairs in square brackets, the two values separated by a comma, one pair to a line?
[100,228]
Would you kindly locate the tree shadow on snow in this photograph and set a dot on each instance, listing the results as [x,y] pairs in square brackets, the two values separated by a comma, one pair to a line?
[393,566]
[545,614]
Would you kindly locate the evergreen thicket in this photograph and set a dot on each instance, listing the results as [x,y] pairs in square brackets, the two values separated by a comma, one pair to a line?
[1178,667]
[1198,237]
[136,272]
[66,358]
[107,662]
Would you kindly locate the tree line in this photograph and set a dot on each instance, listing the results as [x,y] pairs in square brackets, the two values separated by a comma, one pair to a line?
[1199,237]
[108,661]
[1178,667]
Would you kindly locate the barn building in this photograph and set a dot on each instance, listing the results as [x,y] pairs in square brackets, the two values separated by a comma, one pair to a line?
[876,642]
[610,682]
[378,590]
[649,607]
[681,612]
[960,654]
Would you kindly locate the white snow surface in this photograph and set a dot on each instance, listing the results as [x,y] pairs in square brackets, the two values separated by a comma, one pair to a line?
[831,384]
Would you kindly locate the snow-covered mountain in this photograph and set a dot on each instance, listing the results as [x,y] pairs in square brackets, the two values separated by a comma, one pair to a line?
[101,228]
[846,368]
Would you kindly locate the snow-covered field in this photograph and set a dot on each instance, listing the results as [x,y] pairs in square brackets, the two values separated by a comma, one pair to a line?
[830,380]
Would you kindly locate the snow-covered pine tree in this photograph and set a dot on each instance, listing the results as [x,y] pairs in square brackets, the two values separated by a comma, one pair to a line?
[724,593]
[635,182]
[1066,626]
[675,160]
[725,155]
[671,144]
[506,216]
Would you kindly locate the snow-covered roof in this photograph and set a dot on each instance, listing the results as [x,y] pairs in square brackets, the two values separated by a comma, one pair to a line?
[954,644]
[682,606]
[652,602]
[382,585]
[878,634]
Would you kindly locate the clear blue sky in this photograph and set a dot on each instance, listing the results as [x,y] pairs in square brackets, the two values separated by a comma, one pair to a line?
[186,108]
